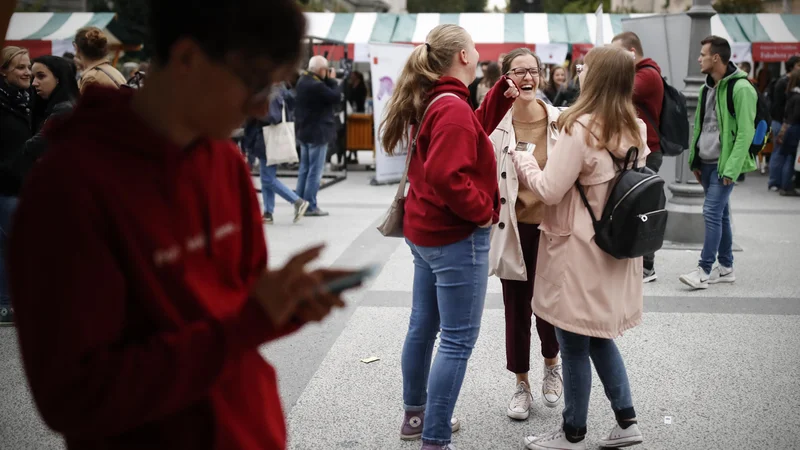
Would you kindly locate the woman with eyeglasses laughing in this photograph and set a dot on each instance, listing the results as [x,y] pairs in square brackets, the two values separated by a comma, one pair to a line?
[515,239]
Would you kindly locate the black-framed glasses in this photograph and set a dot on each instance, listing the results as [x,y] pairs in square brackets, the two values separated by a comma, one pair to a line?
[259,88]
[521,72]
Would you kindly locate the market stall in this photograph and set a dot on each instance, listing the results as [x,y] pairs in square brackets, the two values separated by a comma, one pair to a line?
[53,33]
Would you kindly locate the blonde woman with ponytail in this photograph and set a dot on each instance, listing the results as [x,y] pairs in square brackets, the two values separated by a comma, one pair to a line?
[451,204]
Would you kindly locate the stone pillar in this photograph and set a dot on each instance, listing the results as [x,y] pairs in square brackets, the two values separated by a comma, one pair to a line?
[685,225]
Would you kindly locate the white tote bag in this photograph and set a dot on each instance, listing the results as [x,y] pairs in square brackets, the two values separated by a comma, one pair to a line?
[279,142]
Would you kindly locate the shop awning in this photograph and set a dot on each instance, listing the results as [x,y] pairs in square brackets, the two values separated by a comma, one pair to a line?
[53,26]
[495,28]
[351,28]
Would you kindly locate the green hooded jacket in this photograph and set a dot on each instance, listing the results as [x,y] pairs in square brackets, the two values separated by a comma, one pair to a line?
[736,134]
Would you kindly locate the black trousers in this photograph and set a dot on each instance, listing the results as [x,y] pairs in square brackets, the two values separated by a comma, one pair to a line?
[654,161]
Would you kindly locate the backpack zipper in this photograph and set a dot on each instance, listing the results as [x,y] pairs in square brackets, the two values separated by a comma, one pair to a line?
[644,217]
[628,193]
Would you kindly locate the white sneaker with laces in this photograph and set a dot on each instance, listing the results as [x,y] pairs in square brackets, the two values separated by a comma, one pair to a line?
[520,406]
[697,279]
[619,437]
[552,386]
[555,440]
[722,274]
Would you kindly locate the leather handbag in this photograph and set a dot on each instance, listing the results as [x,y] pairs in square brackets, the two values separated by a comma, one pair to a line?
[392,225]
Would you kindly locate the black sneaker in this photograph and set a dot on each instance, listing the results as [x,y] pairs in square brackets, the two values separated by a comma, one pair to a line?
[267,219]
[6,317]
[649,275]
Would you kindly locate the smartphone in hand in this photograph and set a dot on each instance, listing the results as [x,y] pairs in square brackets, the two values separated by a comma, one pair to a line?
[351,281]
[525,147]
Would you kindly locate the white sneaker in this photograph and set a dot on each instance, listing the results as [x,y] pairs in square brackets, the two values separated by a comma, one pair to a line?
[722,274]
[697,279]
[555,440]
[619,438]
[552,386]
[520,406]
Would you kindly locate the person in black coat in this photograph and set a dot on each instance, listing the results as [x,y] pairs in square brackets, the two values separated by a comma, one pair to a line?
[317,94]
[356,92]
[15,130]
[15,114]
[56,95]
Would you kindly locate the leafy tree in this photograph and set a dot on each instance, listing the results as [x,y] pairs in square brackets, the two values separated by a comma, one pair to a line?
[32,6]
[446,6]
[738,6]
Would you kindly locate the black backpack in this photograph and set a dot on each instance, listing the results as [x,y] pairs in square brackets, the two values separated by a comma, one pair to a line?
[762,115]
[673,132]
[634,219]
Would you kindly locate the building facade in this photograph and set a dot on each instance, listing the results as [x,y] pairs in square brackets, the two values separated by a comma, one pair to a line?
[677,6]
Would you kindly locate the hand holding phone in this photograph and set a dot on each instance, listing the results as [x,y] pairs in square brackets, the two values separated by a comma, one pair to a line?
[525,147]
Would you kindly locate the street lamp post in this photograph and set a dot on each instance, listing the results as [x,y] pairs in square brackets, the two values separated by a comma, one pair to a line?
[686,225]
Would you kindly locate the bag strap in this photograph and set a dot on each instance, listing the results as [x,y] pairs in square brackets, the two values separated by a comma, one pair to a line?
[633,151]
[731,107]
[401,190]
[108,75]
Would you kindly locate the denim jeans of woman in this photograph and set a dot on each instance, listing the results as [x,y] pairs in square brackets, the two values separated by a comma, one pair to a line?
[271,185]
[448,295]
[577,355]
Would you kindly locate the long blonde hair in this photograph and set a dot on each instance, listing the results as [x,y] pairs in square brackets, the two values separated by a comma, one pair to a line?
[427,63]
[607,95]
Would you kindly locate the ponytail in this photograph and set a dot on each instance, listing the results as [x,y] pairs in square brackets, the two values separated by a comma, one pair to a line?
[427,63]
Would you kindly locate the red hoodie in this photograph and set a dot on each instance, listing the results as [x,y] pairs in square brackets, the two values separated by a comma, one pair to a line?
[648,95]
[131,264]
[453,173]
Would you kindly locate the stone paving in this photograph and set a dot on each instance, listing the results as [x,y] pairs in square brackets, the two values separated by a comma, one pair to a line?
[722,364]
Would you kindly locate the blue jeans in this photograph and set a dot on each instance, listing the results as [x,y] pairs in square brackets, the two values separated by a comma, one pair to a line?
[448,294]
[576,353]
[7,207]
[271,185]
[312,161]
[779,164]
[717,216]
[789,149]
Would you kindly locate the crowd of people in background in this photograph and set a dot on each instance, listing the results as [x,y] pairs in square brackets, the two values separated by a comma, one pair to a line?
[188,297]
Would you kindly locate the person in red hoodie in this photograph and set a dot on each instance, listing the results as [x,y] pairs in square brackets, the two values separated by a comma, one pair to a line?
[138,263]
[648,98]
[451,205]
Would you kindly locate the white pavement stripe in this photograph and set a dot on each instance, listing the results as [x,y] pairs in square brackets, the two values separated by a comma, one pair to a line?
[361,28]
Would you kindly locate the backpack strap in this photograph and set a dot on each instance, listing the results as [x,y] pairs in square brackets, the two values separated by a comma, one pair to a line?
[731,107]
[108,75]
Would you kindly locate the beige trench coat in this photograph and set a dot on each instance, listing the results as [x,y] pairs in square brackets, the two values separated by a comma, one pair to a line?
[580,288]
[505,254]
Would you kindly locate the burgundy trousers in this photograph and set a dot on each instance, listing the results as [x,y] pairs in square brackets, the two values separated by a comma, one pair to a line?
[517,297]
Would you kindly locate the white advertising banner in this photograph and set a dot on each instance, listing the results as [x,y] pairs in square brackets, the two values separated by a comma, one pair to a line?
[741,51]
[386,63]
[552,53]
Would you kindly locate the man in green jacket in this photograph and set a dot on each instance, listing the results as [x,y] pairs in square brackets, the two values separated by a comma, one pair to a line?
[719,153]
